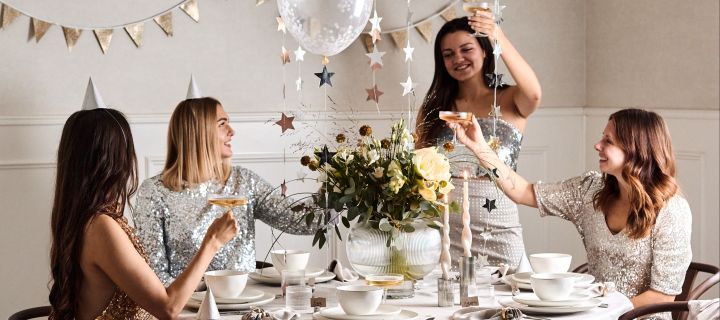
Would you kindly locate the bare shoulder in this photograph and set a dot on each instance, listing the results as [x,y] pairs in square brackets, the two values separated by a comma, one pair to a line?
[103,230]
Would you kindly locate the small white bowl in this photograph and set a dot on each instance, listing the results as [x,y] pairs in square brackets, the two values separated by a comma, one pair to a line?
[226,283]
[552,286]
[550,262]
[359,300]
[290,259]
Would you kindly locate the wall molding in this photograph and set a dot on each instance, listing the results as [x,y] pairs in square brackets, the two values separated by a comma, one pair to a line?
[27,165]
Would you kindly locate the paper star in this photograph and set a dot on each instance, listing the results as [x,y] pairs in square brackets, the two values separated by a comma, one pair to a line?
[489,205]
[486,234]
[281,25]
[298,84]
[375,58]
[375,21]
[494,80]
[408,86]
[482,260]
[283,189]
[374,94]
[285,122]
[325,76]
[408,52]
[497,51]
[495,111]
[299,54]
[497,11]
[494,143]
[375,34]
[325,155]
[285,56]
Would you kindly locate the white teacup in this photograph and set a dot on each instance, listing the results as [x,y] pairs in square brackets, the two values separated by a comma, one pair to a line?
[552,286]
[359,300]
[550,262]
[290,259]
[226,283]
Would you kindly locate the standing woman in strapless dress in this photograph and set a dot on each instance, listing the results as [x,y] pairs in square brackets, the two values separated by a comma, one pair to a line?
[460,84]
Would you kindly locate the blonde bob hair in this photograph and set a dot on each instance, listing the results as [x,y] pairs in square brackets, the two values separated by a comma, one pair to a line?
[193,154]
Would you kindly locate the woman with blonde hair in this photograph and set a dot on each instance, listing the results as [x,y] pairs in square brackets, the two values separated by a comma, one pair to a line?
[633,221]
[172,210]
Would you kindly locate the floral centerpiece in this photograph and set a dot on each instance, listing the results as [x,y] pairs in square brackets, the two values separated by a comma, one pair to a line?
[384,185]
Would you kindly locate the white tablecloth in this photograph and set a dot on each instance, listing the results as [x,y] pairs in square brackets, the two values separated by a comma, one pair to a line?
[425,304]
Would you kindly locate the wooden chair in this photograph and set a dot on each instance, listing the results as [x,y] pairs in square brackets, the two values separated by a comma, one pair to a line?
[583,268]
[31,313]
[675,306]
[693,293]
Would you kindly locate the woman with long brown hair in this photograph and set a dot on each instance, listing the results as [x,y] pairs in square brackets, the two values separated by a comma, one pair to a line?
[634,222]
[99,269]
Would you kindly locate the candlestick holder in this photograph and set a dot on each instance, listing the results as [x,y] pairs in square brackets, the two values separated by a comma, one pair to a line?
[467,275]
[446,294]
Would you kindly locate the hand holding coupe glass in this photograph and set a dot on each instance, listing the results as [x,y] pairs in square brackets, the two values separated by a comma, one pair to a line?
[481,18]
[469,133]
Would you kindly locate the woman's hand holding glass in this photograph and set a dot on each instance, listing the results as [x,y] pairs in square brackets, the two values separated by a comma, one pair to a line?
[222,230]
[483,22]
[470,134]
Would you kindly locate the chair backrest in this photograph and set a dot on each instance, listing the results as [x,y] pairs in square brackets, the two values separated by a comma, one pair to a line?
[583,268]
[675,306]
[693,293]
[31,313]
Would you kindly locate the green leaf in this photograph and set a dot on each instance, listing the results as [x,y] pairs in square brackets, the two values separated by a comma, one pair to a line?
[385,225]
[309,218]
[337,231]
[317,236]
[322,241]
[345,222]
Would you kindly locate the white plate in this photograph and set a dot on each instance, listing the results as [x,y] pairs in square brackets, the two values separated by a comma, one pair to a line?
[325,276]
[271,272]
[248,295]
[474,313]
[507,280]
[532,300]
[580,278]
[266,298]
[403,315]
[583,279]
[383,311]
[587,305]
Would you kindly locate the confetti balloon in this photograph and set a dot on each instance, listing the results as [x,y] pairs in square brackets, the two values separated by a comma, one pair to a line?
[325,27]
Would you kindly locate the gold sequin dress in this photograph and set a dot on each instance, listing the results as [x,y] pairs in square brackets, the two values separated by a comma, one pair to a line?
[121,306]
[656,262]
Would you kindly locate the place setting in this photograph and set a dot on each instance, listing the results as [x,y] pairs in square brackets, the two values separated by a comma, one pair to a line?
[229,290]
[363,302]
[294,260]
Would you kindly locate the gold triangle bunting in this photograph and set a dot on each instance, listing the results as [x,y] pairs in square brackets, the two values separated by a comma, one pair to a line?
[425,30]
[191,8]
[8,16]
[135,32]
[165,23]
[103,37]
[71,36]
[368,42]
[449,13]
[399,37]
[259,2]
[39,28]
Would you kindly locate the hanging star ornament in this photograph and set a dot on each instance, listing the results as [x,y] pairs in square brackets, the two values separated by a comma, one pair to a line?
[374,94]
[489,205]
[482,260]
[298,84]
[497,51]
[325,76]
[408,86]
[283,189]
[325,155]
[494,143]
[375,21]
[284,56]
[497,12]
[299,54]
[408,52]
[375,58]
[281,25]
[285,122]
[495,111]
[486,234]
[375,35]
[494,80]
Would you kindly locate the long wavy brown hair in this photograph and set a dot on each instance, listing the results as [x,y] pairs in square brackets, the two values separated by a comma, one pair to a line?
[96,174]
[193,154]
[444,89]
[649,169]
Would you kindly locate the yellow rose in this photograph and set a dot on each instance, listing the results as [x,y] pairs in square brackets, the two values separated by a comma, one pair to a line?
[427,190]
[431,165]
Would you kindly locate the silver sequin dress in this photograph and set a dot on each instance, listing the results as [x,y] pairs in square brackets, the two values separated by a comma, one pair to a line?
[171,225]
[656,262]
[506,244]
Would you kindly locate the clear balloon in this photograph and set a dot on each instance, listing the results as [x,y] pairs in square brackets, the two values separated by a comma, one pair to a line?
[325,27]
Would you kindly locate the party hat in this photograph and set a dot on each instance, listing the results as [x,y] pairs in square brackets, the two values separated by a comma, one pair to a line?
[193,90]
[208,309]
[93,99]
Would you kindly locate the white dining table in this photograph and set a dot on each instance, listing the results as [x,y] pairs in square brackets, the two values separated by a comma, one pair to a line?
[424,303]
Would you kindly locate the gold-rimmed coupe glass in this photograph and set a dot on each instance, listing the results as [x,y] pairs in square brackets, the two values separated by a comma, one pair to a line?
[451,116]
[471,7]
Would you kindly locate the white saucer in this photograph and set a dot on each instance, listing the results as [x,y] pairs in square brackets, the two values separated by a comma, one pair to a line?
[403,315]
[532,300]
[266,298]
[583,279]
[323,277]
[508,279]
[249,294]
[584,306]
[271,272]
[383,312]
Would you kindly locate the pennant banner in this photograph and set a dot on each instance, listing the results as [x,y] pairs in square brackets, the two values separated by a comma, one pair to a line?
[136,33]
[368,42]
[191,8]
[425,30]
[449,13]
[8,16]
[165,23]
[399,37]
[424,26]
[103,37]
[39,28]
[71,37]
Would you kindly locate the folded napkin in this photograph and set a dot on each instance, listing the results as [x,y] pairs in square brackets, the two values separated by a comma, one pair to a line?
[284,314]
[342,274]
[704,309]
[600,289]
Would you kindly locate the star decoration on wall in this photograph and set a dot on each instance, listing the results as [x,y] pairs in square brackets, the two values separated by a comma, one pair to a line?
[482,260]
[495,111]
[486,234]
[375,21]
[408,86]
[494,80]
[497,51]
[374,94]
[298,84]
[281,25]
[285,56]
[325,76]
[325,155]
[283,189]
[375,58]
[489,205]
[285,122]
[375,34]
[408,52]
[497,12]
[299,54]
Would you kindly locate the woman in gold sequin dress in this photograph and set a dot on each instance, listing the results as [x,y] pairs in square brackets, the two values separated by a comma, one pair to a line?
[633,221]
[99,269]
[461,82]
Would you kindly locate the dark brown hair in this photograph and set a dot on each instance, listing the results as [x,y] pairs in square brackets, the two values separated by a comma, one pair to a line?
[444,89]
[96,174]
[649,169]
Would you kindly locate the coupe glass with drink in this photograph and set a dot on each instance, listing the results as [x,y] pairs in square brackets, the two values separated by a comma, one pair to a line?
[385,281]
[227,201]
[451,116]
[472,7]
